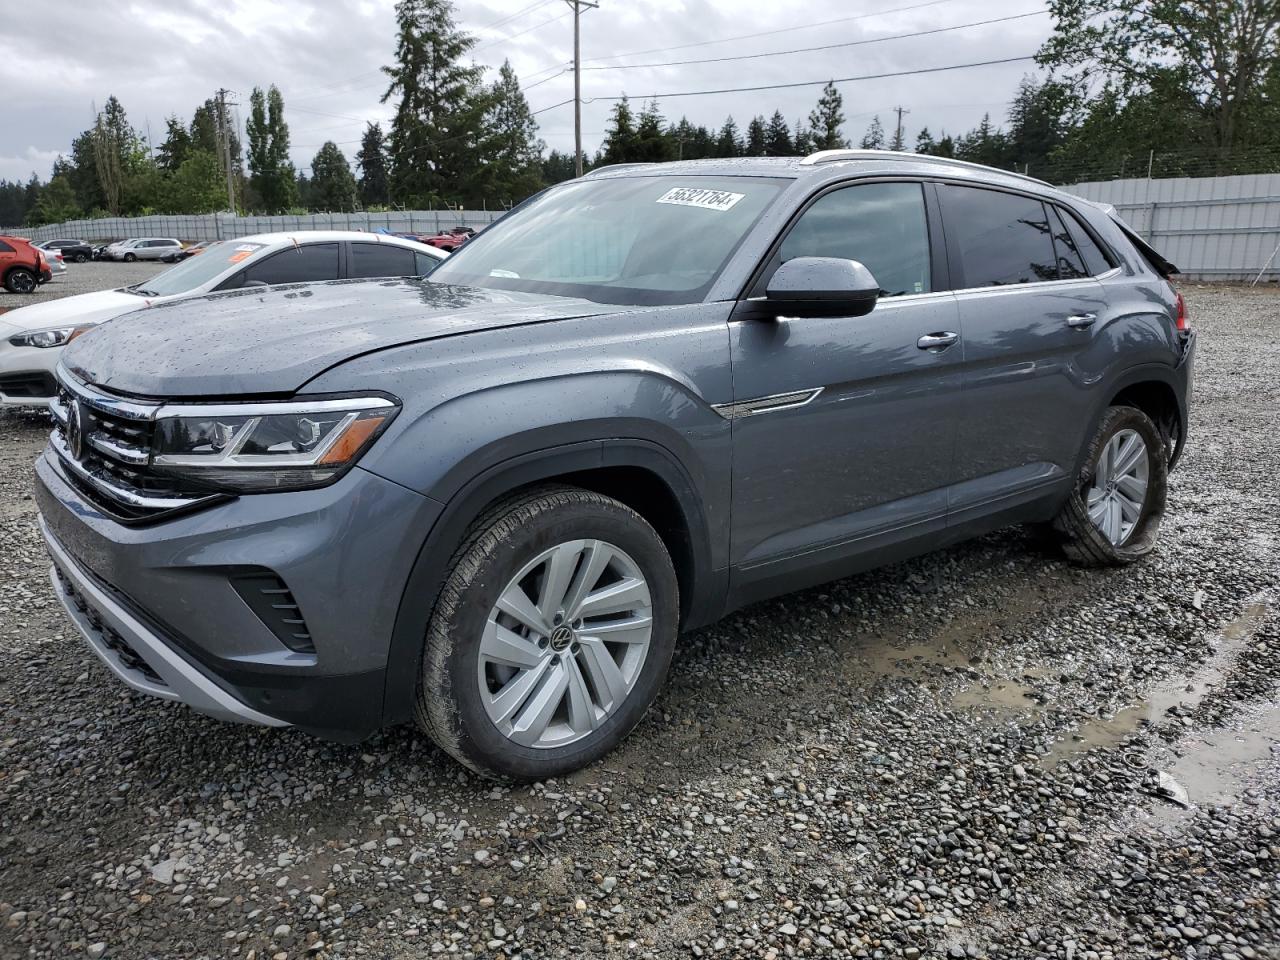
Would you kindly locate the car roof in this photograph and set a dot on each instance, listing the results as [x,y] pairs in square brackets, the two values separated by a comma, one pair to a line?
[323,236]
[832,165]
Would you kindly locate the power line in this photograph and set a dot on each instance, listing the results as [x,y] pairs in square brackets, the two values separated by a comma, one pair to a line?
[828,46]
[517,15]
[770,33]
[515,36]
[807,83]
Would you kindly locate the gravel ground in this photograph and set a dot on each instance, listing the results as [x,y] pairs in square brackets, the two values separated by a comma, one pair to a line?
[83,278]
[981,753]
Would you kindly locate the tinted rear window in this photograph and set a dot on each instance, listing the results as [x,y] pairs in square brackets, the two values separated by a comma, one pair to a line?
[1003,238]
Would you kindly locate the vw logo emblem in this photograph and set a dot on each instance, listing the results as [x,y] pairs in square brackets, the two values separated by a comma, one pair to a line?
[75,430]
[561,637]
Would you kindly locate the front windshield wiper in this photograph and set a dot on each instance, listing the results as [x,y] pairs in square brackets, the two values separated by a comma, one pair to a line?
[140,291]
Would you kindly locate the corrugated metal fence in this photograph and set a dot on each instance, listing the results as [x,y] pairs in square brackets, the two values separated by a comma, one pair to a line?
[221,227]
[1213,228]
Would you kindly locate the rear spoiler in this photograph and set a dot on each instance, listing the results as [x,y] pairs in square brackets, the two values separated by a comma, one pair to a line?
[1158,263]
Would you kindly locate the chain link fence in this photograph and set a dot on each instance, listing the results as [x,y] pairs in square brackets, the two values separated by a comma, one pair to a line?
[216,226]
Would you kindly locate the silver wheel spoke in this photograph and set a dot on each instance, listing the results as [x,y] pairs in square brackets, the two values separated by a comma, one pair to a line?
[1131,451]
[555,583]
[1102,473]
[582,712]
[507,647]
[531,722]
[631,630]
[1133,487]
[615,598]
[597,559]
[598,662]
[1113,520]
[1129,510]
[1118,492]
[515,693]
[516,603]
[1098,513]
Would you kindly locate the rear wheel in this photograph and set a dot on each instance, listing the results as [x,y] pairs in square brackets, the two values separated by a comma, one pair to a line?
[1113,516]
[130,258]
[551,637]
[80,258]
[21,280]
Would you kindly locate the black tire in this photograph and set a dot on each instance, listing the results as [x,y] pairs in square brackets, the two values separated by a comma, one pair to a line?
[449,708]
[129,258]
[1083,542]
[80,258]
[21,280]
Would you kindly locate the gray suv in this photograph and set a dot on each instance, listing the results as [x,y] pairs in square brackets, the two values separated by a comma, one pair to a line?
[489,501]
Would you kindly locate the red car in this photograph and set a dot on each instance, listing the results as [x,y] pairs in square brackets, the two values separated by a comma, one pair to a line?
[23,267]
[449,240]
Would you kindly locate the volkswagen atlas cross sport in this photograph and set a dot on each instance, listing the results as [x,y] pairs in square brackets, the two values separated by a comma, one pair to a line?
[488,501]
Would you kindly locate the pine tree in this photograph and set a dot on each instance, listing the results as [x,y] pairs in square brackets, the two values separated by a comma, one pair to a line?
[924,142]
[333,186]
[729,142]
[372,160]
[873,139]
[273,179]
[620,138]
[652,143]
[512,149]
[803,139]
[826,119]
[755,138]
[117,149]
[777,137]
[898,143]
[437,127]
[176,146]
[56,203]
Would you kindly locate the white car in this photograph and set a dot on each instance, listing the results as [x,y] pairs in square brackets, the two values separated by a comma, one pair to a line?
[31,338]
[57,265]
[145,248]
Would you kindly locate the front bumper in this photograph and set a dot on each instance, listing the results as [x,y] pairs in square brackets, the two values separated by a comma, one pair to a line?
[26,374]
[170,591]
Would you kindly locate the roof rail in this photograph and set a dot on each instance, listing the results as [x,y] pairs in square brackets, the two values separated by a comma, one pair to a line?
[833,156]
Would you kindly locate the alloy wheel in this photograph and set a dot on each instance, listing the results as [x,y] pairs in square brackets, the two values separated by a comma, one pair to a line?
[565,644]
[1118,491]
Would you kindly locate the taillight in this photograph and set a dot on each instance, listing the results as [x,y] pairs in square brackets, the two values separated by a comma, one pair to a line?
[1180,321]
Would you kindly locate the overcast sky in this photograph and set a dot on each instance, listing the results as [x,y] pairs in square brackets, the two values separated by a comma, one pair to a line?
[163,59]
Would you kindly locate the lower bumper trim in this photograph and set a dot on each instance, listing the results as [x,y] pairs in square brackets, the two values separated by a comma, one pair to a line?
[133,651]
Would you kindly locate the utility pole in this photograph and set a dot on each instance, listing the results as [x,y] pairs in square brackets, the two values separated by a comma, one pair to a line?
[576,6]
[897,137]
[224,134]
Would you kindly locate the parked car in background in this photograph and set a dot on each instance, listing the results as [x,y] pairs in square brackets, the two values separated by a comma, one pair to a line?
[23,265]
[75,251]
[145,248]
[57,264]
[451,239]
[100,250]
[31,339]
[195,248]
[488,502]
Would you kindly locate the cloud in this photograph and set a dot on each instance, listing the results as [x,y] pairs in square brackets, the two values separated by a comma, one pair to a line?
[326,59]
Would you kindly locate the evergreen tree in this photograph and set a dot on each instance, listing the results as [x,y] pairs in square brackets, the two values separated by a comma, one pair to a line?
[372,160]
[777,137]
[512,149]
[826,119]
[83,175]
[873,139]
[56,203]
[1038,122]
[620,140]
[333,187]
[558,167]
[176,146]
[924,142]
[438,122]
[273,180]
[652,145]
[803,139]
[898,142]
[729,142]
[755,137]
[946,146]
[117,152]
[197,186]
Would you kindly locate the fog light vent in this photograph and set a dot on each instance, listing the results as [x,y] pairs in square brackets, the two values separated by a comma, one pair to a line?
[271,599]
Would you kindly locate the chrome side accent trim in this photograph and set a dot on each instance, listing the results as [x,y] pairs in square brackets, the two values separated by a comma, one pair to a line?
[138,456]
[769,404]
[184,682]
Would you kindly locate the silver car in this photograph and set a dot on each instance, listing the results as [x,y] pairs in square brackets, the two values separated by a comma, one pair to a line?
[145,248]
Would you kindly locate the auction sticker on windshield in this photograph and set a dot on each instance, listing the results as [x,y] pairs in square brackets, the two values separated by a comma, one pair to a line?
[243,251]
[701,197]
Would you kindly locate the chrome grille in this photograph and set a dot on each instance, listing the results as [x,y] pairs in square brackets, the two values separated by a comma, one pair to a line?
[110,459]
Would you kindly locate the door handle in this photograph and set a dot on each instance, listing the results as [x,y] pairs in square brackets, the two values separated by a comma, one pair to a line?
[1082,321]
[937,341]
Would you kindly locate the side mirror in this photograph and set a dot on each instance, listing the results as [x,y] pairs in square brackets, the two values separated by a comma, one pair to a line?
[823,286]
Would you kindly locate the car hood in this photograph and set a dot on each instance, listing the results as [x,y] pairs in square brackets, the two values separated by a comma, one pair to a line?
[67,311]
[271,342]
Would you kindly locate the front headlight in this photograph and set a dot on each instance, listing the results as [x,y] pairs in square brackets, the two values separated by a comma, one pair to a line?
[243,448]
[53,337]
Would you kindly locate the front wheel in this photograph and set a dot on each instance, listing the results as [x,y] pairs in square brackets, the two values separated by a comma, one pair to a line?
[129,258]
[551,636]
[80,258]
[1113,515]
[21,280]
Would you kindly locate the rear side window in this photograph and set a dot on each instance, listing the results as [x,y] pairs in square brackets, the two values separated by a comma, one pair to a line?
[305,263]
[881,225]
[380,260]
[1003,238]
[426,263]
[1095,259]
[1071,262]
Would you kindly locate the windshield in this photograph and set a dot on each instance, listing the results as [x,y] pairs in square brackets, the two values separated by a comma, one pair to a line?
[197,271]
[633,240]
